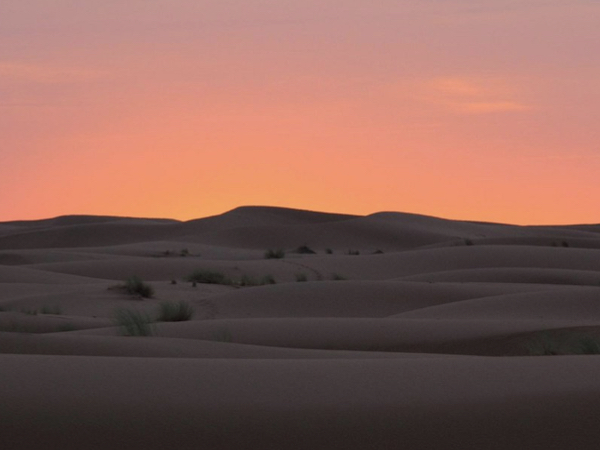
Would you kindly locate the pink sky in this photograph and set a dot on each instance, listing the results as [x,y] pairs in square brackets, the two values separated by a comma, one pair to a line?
[186,108]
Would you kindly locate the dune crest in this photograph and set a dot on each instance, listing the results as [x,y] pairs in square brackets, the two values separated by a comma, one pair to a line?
[270,327]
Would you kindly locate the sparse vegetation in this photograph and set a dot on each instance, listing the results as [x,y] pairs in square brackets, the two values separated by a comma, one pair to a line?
[337,277]
[248,281]
[305,250]
[274,254]
[268,279]
[175,311]
[378,252]
[329,251]
[301,277]
[134,322]
[353,252]
[468,241]
[208,277]
[169,253]
[135,286]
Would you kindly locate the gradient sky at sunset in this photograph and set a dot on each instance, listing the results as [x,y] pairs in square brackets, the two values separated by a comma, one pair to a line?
[186,108]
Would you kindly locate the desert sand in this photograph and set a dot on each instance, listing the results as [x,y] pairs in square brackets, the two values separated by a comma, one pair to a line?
[399,331]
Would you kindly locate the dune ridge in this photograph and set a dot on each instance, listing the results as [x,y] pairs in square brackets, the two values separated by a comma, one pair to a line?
[382,331]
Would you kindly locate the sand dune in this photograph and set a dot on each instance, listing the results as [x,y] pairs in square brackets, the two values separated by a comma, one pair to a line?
[386,331]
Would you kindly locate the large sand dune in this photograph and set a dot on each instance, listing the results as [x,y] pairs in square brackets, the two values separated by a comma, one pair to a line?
[399,331]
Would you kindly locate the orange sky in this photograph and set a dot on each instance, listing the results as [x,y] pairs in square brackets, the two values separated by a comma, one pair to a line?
[188,108]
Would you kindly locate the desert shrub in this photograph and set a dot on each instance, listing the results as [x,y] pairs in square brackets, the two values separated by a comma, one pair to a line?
[54,309]
[268,279]
[468,241]
[353,252]
[208,277]
[247,280]
[378,252]
[175,311]
[337,277]
[135,286]
[174,253]
[274,254]
[133,322]
[301,277]
[29,312]
[305,250]
[329,251]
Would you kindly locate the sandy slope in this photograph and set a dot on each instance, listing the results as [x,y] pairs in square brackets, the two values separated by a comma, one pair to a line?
[429,337]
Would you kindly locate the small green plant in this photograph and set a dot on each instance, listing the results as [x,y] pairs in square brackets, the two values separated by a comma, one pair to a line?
[305,250]
[175,311]
[248,281]
[208,277]
[54,309]
[274,254]
[135,286]
[301,277]
[133,322]
[268,279]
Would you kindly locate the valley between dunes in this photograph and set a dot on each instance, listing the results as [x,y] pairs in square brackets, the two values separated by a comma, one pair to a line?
[385,331]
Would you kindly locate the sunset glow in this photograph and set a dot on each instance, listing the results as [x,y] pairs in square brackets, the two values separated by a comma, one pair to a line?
[185,109]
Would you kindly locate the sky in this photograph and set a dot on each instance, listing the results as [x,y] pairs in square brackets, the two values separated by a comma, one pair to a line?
[460,109]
